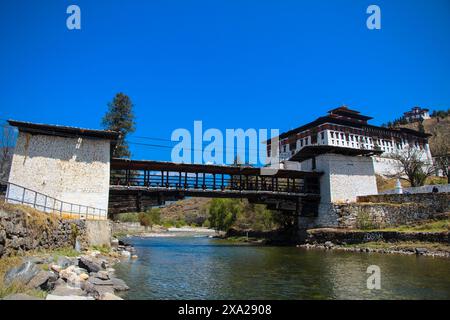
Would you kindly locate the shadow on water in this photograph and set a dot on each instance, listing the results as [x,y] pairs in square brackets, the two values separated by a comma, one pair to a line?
[204,268]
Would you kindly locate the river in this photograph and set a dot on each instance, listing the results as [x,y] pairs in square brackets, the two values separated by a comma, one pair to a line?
[203,268]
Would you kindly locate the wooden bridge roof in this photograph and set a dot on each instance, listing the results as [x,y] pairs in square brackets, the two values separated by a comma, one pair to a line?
[123,164]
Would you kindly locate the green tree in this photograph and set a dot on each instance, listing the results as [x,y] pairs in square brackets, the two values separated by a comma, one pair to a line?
[150,218]
[120,117]
[223,213]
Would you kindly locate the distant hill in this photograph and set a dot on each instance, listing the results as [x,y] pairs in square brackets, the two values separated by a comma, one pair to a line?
[190,210]
[436,125]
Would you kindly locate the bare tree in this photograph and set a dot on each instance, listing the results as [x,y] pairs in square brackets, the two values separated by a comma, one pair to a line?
[7,142]
[412,166]
[441,151]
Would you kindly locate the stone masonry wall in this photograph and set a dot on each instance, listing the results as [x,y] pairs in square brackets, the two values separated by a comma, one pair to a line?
[23,229]
[380,211]
[20,232]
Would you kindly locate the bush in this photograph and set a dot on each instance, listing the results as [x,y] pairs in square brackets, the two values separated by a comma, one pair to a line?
[128,217]
[150,218]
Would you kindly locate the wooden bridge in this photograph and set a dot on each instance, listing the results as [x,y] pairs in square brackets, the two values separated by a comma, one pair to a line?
[137,185]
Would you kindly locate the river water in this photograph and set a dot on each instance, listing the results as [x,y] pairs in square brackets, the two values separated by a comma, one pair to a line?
[203,268]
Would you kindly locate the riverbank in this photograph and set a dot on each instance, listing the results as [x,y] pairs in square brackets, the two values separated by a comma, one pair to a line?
[402,247]
[64,274]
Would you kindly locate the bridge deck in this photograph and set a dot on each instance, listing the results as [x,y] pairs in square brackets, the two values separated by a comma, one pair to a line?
[199,178]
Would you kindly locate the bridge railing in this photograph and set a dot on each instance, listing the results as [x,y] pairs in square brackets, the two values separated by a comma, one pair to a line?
[208,181]
[16,194]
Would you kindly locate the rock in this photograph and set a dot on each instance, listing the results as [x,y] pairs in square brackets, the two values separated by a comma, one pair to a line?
[55,268]
[91,264]
[114,243]
[69,297]
[23,273]
[99,282]
[67,273]
[102,275]
[64,262]
[40,280]
[109,296]
[134,256]
[97,290]
[65,290]
[119,284]
[126,254]
[84,276]
[421,251]
[2,249]
[328,244]
[20,296]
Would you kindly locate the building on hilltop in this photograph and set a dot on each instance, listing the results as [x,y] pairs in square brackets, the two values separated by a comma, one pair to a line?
[416,114]
[347,132]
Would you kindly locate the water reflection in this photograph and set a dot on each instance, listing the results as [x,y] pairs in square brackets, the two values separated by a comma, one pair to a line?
[202,268]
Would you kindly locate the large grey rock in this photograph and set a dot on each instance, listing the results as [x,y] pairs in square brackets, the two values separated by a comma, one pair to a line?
[64,262]
[23,273]
[91,264]
[97,290]
[21,296]
[40,280]
[100,282]
[119,284]
[66,291]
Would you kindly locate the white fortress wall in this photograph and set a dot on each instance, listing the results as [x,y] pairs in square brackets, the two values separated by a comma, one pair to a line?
[74,170]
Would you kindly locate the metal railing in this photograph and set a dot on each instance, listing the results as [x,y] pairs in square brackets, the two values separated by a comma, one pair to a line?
[16,194]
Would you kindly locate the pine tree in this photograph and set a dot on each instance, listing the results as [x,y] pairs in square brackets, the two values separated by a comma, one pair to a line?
[120,117]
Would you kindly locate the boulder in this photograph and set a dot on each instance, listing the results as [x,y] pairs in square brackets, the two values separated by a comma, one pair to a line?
[64,290]
[119,284]
[55,268]
[421,251]
[40,280]
[23,273]
[99,282]
[109,296]
[64,262]
[91,264]
[328,244]
[102,275]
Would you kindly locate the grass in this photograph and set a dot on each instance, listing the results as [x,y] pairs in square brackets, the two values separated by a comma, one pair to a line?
[429,226]
[7,263]
[102,249]
[128,217]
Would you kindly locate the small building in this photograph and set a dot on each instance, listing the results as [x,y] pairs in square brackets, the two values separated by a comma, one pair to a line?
[66,163]
[416,114]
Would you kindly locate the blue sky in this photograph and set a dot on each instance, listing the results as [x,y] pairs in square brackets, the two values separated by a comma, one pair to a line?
[230,63]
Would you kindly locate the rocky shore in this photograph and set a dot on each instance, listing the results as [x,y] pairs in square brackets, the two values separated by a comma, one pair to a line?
[391,248]
[89,276]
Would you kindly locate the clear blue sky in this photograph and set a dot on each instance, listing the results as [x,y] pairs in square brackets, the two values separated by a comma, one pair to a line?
[230,63]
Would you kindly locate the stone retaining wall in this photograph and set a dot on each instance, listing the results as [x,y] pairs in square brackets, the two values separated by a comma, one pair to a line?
[28,229]
[380,211]
[319,236]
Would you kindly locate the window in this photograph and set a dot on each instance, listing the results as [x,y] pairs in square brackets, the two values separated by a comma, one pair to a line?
[301,142]
[332,135]
[322,135]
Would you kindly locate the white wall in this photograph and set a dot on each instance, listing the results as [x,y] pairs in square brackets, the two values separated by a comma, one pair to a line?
[70,169]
